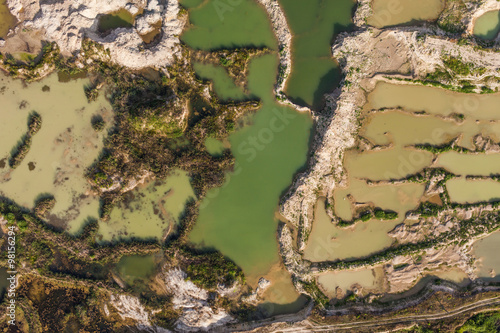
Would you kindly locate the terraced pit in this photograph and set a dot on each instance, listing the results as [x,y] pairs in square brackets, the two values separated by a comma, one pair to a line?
[421,151]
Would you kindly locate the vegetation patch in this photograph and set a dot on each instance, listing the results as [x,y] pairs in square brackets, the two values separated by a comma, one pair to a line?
[385,214]
[446,147]
[43,205]
[451,17]
[367,214]
[235,61]
[312,289]
[21,150]
[211,270]
[98,124]
[482,323]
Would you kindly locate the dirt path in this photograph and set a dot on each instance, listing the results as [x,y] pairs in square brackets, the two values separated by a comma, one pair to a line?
[479,306]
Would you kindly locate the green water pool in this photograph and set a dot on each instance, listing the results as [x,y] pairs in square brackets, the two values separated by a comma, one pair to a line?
[223,84]
[314,25]
[217,24]
[487,25]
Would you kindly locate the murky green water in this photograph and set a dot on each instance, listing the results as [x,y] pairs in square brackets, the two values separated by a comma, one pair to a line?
[228,24]
[60,152]
[7,20]
[223,84]
[149,211]
[135,268]
[487,25]
[119,19]
[238,219]
[393,12]
[214,146]
[462,190]
[314,24]
[191,3]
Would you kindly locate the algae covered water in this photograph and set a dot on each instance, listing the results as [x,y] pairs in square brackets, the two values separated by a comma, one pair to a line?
[136,268]
[314,24]
[221,24]
[150,211]
[59,153]
[238,219]
[224,86]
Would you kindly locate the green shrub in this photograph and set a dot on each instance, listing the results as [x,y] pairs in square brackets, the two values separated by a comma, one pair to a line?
[385,214]
[482,323]
[98,123]
[209,270]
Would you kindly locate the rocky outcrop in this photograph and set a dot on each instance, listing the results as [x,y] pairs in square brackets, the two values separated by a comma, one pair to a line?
[284,36]
[68,22]
[400,280]
[197,314]
[130,308]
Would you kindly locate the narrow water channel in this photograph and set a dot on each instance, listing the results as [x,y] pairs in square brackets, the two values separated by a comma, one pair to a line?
[224,86]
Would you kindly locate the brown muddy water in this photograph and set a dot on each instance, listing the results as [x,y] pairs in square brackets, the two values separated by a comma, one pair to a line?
[470,164]
[368,279]
[327,241]
[444,102]
[462,190]
[486,250]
